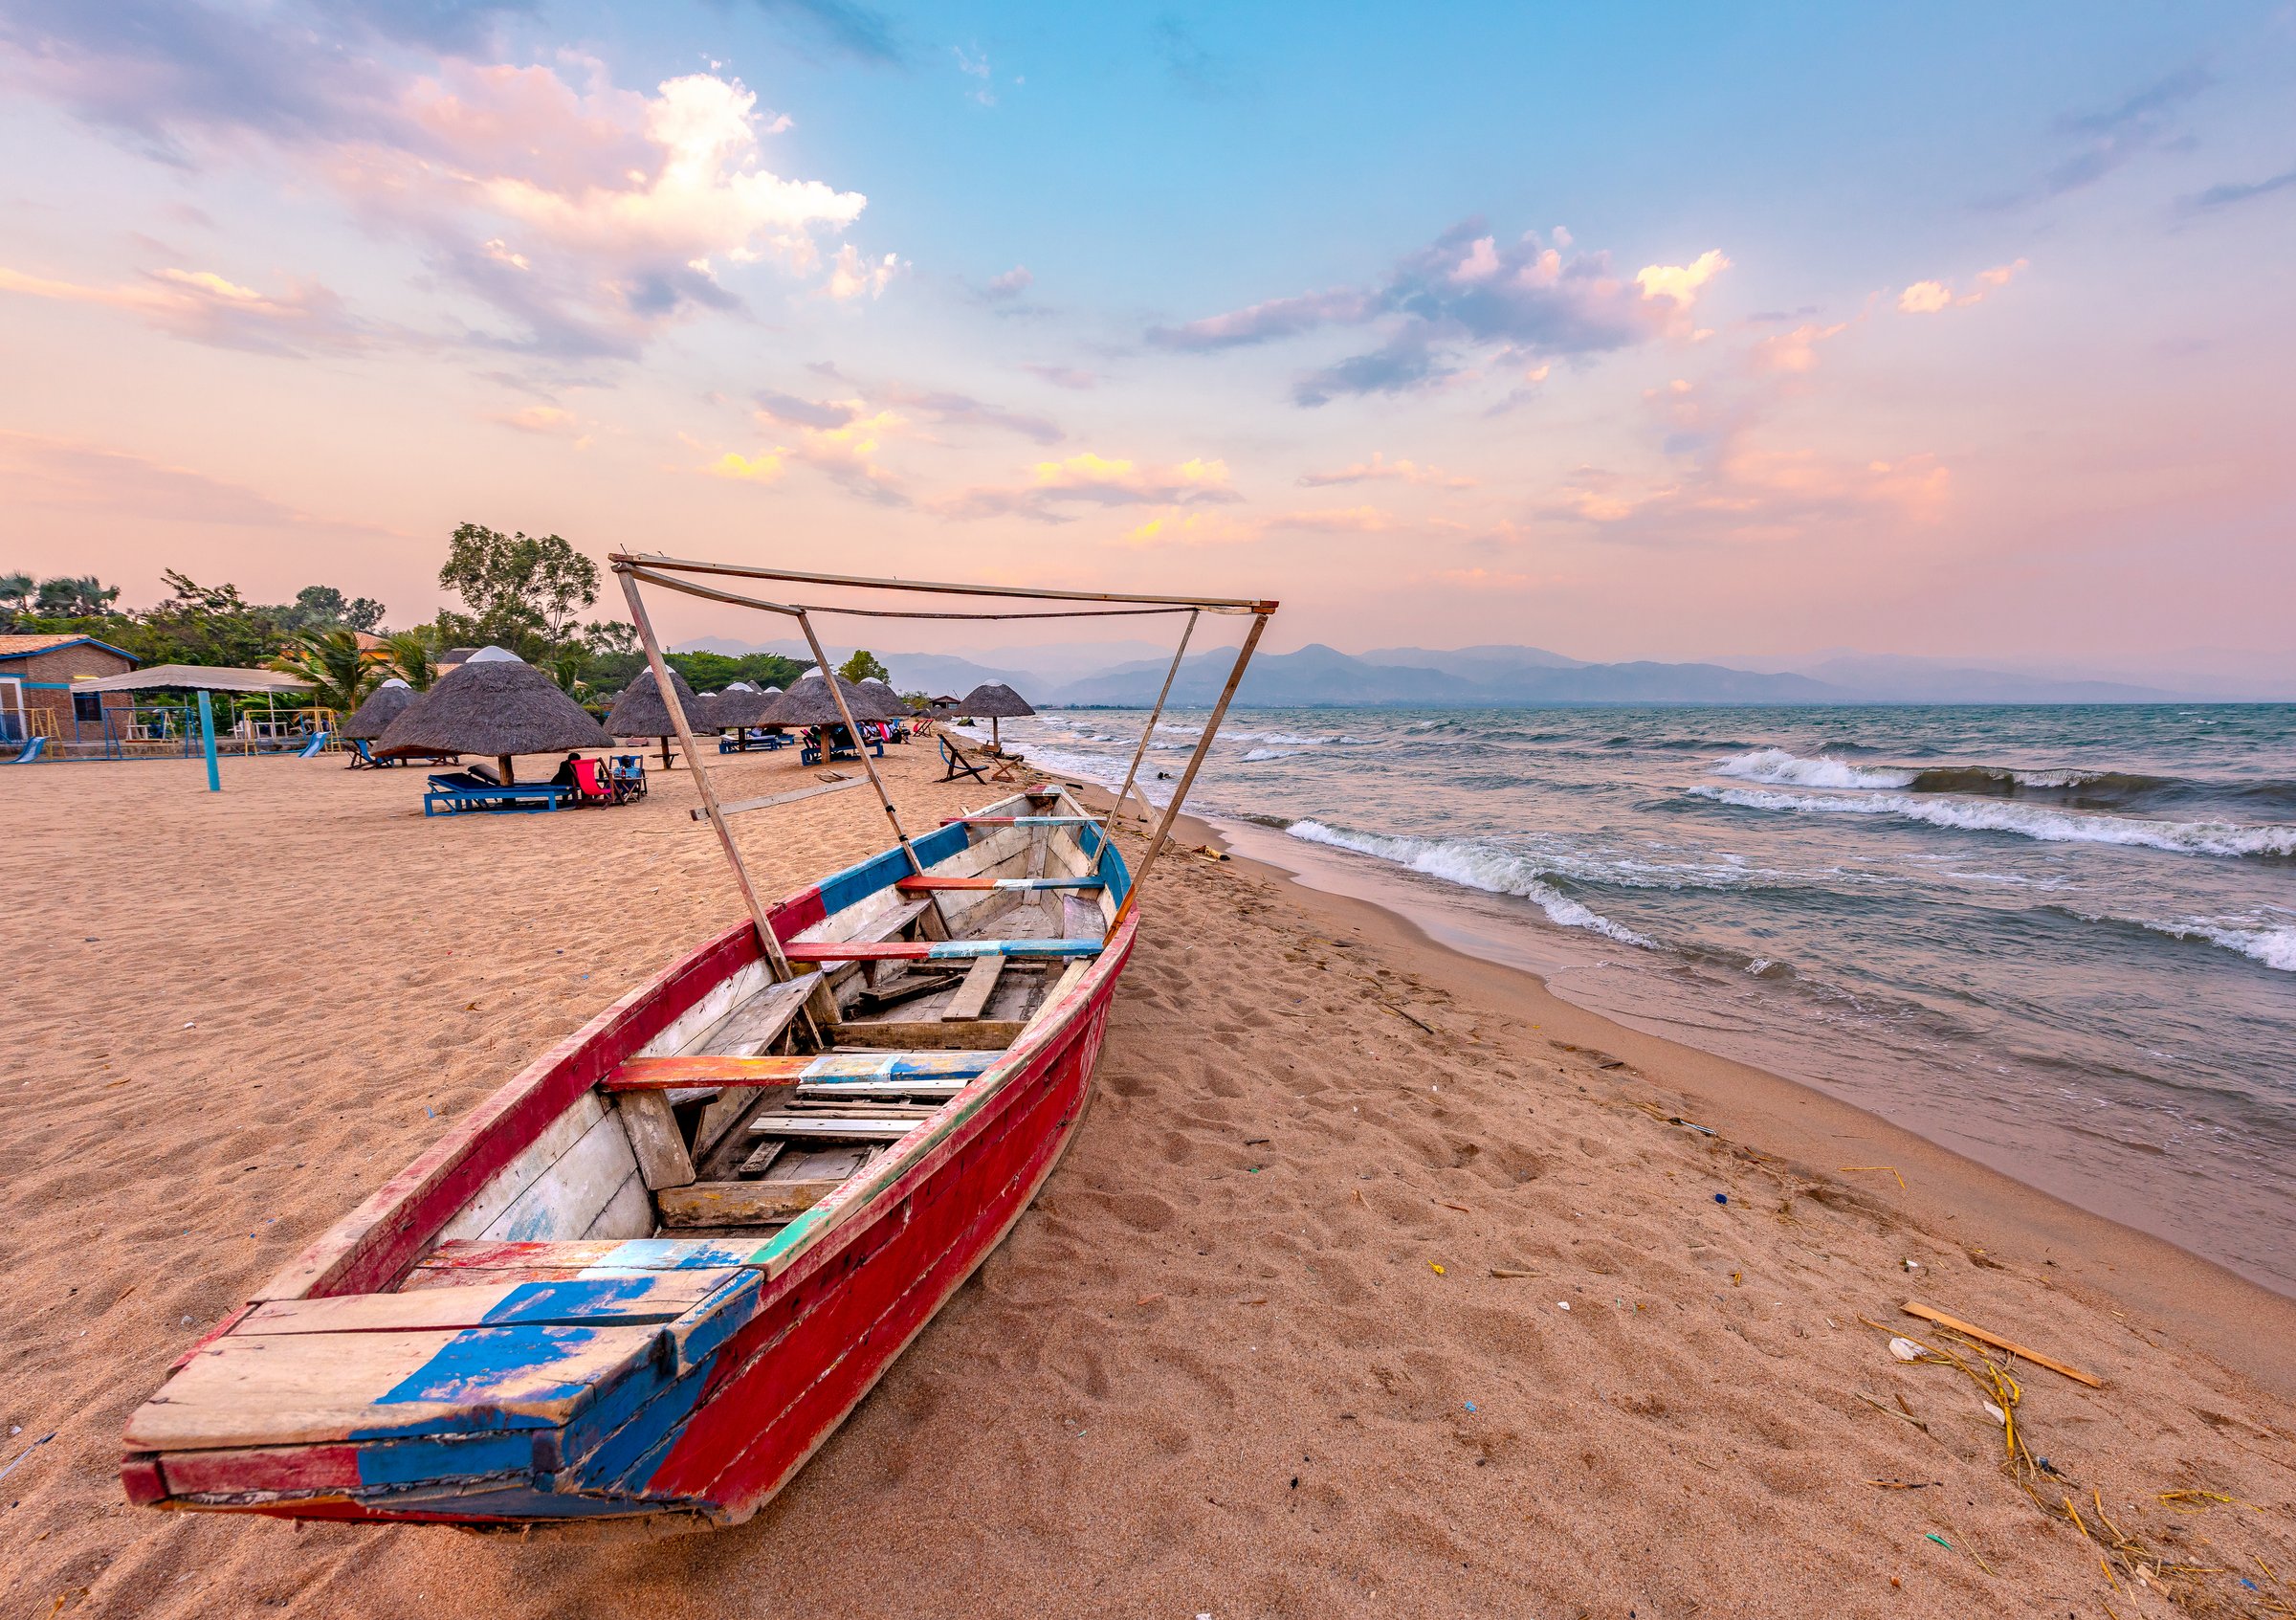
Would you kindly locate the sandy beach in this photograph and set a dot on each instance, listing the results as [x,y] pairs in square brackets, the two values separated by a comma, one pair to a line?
[1378,1281]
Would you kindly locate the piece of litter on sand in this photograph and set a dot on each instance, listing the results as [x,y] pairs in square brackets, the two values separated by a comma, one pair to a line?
[1562,1305]
[26,1451]
[1999,1416]
[1469,1404]
[1436,1269]
[1505,1271]
[1905,1350]
[1721,1197]
[1943,1543]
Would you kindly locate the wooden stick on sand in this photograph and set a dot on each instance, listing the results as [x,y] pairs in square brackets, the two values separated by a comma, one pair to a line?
[1924,1312]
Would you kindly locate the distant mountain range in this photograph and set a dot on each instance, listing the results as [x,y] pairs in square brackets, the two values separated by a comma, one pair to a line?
[1117,674]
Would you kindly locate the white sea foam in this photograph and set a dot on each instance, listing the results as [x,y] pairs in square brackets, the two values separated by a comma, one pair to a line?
[1775,764]
[1470,866]
[2274,948]
[2027,820]
[1269,754]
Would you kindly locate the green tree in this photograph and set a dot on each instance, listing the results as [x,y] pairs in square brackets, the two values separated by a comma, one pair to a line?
[204,624]
[15,589]
[84,598]
[523,593]
[321,604]
[343,674]
[409,654]
[863,665]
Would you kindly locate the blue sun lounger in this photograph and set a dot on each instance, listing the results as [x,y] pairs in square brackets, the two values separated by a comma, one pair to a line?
[451,794]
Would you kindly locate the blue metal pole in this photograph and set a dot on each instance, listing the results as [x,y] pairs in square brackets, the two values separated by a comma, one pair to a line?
[207,739]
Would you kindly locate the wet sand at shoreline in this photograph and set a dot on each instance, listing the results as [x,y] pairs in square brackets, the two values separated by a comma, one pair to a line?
[1248,1353]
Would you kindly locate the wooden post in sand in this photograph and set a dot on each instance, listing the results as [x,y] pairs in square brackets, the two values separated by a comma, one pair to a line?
[1187,778]
[828,676]
[702,782]
[1149,730]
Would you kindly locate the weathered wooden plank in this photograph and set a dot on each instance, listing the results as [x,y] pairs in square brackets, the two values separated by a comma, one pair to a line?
[772,799]
[743,1203]
[759,1022]
[692,1028]
[972,997]
[292,1388]
[341,1466]
[916,885]
[1017,821]
[832,1128]
[1067,982]
[918,1034]
[567,1197]
[829,1090]
[617,1257]
[665,1074]
[642,1297]
[627,1213]
[507,1184]
[655,1139]
[936,950]
[654,1073]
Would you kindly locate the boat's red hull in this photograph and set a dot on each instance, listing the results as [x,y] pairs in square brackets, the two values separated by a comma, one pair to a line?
[716,1442]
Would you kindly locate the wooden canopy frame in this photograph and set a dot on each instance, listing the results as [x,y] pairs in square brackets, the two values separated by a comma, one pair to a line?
[673,574]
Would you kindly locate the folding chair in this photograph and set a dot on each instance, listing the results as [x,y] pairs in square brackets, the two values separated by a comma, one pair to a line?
[954,757]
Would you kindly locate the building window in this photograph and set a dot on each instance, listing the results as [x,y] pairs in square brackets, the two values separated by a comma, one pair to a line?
[87,706]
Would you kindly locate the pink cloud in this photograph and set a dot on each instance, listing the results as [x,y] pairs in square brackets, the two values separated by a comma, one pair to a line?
[1379,467]
[204,307]
[1090,480]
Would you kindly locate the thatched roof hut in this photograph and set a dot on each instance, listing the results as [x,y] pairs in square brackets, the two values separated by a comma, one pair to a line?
[995,700]
[640,712]
[741,704]
[808,702]
[385,704]
[495,703]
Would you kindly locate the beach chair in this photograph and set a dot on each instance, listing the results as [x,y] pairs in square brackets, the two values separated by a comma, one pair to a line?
[1008,768]
[594,786]
[955,759]
[628,773]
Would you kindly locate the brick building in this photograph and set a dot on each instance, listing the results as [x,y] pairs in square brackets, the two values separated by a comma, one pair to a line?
[36,698]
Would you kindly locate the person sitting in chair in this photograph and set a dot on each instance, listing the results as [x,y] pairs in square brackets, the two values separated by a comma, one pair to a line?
[565,772]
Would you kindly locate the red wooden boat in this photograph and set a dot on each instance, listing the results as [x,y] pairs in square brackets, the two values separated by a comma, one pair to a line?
[647,1280]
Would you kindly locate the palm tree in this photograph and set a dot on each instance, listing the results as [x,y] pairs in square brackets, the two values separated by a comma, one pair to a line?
[409,656]
[15,589]
[341,672]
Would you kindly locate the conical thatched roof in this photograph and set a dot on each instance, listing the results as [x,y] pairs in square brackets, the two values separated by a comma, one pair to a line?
[743,704]
[387,702]
[809,703]
[498,706]
[640,712]
[990,700]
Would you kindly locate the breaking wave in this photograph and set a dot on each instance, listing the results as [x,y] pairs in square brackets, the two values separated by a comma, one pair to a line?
[1470,866]
[2030,821]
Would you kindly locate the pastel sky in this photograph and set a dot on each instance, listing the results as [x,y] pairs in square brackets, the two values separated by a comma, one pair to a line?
[1621,331]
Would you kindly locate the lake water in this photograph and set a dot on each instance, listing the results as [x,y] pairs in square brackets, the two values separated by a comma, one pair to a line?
[2059,939]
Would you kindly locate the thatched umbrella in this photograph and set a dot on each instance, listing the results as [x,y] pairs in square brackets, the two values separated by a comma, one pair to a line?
[375,714]
[810,702]
[495,703]
[997,702]
[740,706]
[640,712]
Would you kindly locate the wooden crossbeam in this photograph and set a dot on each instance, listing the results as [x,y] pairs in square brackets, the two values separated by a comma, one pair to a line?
[772,799]
[1018,821]
[934,950]
[834,1128]
[921,885]
[664,1074]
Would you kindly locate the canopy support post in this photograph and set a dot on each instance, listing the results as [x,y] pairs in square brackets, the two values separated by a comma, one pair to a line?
[780,964]
[821,663]
[1149,730]
[1187,778]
